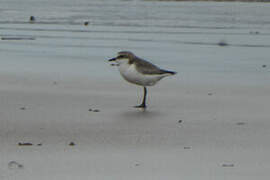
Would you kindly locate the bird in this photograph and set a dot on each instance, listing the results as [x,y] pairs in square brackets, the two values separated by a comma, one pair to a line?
[139,71]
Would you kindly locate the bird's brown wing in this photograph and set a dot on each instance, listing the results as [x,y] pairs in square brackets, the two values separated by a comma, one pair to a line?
[145,67]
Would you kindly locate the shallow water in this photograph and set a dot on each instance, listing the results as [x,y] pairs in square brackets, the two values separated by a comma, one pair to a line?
[181,36]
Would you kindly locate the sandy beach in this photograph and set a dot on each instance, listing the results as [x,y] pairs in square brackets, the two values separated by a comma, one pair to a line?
[192,131]
[65,113]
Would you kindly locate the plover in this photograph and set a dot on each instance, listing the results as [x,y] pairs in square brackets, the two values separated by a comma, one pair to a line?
[138,71]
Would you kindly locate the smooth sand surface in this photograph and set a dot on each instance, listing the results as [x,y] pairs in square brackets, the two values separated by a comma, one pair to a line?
[65,113]
[223,132]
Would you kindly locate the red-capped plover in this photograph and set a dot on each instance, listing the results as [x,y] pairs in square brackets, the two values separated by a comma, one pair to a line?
[138,71]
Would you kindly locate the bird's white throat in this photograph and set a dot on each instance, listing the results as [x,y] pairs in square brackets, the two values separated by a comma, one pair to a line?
[122,61]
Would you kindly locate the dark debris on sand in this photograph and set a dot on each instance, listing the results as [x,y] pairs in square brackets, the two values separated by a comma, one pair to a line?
[241,123]
[94,110]
[25,144]
[23,108]
[227,165]
[14,165]
[17,38]
[28,144]
[223,43]
[72,144]
[32,19]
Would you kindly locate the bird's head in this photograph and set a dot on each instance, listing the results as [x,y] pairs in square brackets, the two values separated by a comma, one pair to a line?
[123,57]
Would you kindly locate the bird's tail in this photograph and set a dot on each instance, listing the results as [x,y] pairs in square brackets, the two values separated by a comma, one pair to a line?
[169,72]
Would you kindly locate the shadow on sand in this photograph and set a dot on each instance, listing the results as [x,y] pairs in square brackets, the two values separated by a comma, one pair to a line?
[141,114]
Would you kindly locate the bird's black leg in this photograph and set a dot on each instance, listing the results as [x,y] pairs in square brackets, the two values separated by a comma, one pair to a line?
[143,105]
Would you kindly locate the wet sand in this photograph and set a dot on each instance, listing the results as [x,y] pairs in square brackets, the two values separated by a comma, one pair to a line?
[81,128]
[65,113]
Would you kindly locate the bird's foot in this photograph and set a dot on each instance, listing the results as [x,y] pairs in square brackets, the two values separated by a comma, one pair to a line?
[140,106]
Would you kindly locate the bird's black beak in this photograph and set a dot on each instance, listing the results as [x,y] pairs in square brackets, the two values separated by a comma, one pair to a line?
[113,59]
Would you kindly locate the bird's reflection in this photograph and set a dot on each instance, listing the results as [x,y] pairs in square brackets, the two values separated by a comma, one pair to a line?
[143,114]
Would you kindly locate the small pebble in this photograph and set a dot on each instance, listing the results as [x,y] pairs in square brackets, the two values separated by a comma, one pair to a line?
[210,94]
[32,18]
[86,23]
[187,147]
[137,164]
[25,144]
[264,66]
[72,144]
[180,121]
[39,144]
[223,43]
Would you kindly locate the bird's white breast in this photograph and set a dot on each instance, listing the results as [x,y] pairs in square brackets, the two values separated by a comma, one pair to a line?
[130,73]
